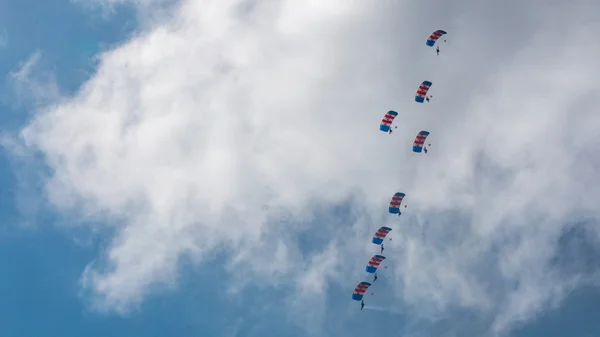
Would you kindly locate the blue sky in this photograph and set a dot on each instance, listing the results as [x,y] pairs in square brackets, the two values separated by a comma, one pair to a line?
[214,168]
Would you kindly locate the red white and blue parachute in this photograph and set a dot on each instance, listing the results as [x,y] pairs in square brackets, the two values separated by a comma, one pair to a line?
[387,120]
[434,37]
[380,235]
[395,202]
[420,140]
[374,263]
[360,291]
[422,91]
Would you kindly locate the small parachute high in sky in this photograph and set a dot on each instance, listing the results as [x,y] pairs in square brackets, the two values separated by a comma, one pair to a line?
[387,120]
[395,202]
[379,236]
[374,263]
[360,291]
[422,91]
[434,37]
[419,141]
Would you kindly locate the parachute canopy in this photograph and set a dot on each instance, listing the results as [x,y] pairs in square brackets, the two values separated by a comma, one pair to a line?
[387,120]
[395,202]
[419,141]
[374,263]
[380,235]
[360,291]
[434,37]
[422,91]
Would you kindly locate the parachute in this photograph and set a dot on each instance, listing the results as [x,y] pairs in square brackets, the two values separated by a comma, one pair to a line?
[419,145]
[387,120]
[434,37]
[422,91]
[380,235]
[395,202]
[374,263]
[420,140]
[360,291]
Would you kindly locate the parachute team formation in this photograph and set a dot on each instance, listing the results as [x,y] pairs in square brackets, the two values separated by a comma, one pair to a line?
[394,208]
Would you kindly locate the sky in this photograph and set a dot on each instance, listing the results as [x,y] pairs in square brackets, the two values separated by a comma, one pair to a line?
[215,168]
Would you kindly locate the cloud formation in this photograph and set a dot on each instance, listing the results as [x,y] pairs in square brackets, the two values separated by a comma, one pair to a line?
[230,127]
[33,86]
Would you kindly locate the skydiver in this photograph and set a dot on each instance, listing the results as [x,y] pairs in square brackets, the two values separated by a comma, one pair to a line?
[382,248]
[427,98]
[362,304]
[390,132]
[437,50]
[425,149]
[375,277]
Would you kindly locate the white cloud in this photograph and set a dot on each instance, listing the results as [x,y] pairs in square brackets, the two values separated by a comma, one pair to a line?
[185,133]
[147,12]
[26,68]
[32,85]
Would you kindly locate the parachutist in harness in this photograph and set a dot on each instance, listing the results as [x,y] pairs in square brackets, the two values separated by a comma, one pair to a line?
[437,49]
[382,248]
[427,98]
[425,149]
[375,277]
[362,304]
